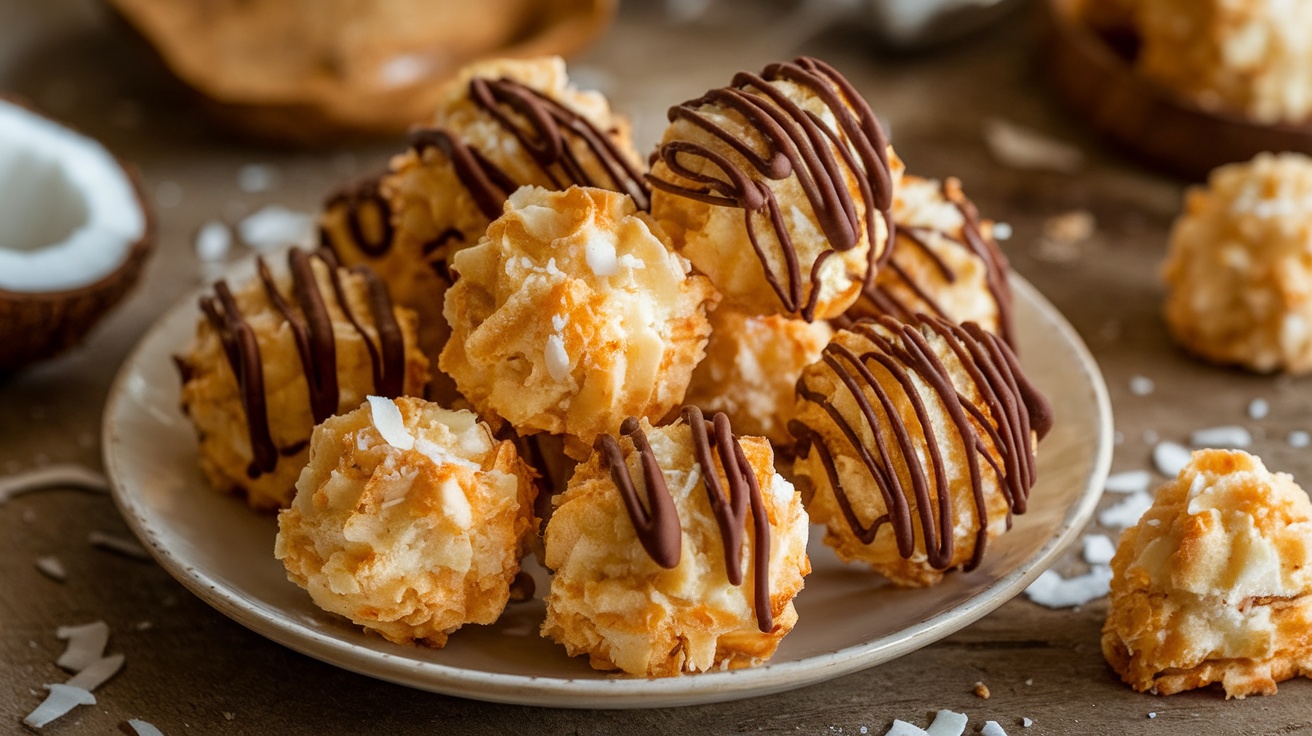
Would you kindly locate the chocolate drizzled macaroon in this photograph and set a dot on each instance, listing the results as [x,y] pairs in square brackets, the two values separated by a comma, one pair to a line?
[503,124]
[282,354]
[675,549]
[944,262]
[916,444]
[778,187]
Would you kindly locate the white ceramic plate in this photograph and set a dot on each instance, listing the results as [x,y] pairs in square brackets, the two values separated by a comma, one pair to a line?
[847,619]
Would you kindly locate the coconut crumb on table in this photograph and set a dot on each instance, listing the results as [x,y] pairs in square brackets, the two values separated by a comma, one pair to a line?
[119,545]
[51,567]
[1126,512]
[1223,437]
[1142,385]
[143,728]
[1023,148]
[63,476]
[1051,590]
[948,723]
[1130,481]
[1170,458]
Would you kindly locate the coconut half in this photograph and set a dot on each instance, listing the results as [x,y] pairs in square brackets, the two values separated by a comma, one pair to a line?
[76,233]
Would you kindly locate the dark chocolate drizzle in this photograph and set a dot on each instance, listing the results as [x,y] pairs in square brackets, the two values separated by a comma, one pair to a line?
[353,203]
[879,298]
[312,329]
[901,350]
[553,136]
[797,143]
[659,530]
[549,132]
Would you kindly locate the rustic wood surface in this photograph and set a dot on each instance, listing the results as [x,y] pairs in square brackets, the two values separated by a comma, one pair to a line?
[191,670]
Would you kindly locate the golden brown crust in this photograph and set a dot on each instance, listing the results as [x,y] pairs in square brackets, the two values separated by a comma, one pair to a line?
[410,544]
[827,438]
[751,367]
[1214,584]
[408,223]
[572,314]
[1238,271]
[610,601]
[213,400]
[716,239]
[1252,59]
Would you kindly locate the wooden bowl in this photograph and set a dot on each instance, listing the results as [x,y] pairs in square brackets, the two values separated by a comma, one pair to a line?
[257,71]
[1094,75]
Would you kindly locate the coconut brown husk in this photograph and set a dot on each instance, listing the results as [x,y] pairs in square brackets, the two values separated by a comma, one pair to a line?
[321,71]
[41,324]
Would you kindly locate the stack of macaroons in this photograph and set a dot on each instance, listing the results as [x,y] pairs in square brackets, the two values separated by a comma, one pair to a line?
[774,269]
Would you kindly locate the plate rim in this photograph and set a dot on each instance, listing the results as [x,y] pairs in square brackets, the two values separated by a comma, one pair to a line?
[618,692]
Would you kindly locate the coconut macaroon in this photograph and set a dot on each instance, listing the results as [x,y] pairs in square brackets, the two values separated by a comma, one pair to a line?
[1214,584]
[1252,59]
[916,444]
[778,187]
[944,262]
[676,549]
[410,520]
[1239,266]
[573,313]
[751,368]
[282,354]
[502,124]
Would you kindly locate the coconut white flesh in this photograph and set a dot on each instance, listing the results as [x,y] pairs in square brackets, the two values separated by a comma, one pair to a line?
[70,212]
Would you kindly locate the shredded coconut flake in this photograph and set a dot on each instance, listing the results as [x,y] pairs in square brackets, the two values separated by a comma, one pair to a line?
[1170,458]
[255,178]
[275,226]
[600,254]
[1142,385]
[1098,549]
[1131,481]
[146,729]
[456,504]
[95,674]
[991,728]
[1152,714]
[1026,722]
[52,477]
[86,644]
[51,567]
[1054,591]
[1300,439]
[947,723]
[1229,436]
[118,545]
[439,455]
[1002,231]
[1023,148]
[1258,409]
[902,728]
[1127,512]
[213,241]
[61,700]
[557,358]
[388,422]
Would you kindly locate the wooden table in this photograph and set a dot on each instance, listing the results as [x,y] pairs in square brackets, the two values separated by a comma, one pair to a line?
[191,670]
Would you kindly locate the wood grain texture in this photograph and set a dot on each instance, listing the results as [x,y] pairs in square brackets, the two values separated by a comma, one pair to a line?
[194,671]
